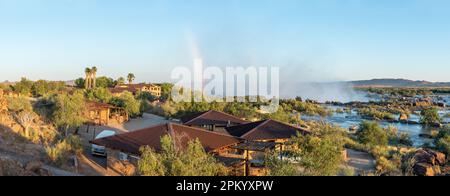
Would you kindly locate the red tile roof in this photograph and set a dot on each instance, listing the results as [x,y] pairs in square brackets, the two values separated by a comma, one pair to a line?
[265,130]
[133,141]
[212,117]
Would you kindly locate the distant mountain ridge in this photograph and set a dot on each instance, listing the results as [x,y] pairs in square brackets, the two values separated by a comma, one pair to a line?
[397,83]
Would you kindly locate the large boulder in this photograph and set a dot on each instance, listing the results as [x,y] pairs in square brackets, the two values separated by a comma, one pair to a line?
[425,169]
[439,157]
[403,117]
[430,156]
[428,162]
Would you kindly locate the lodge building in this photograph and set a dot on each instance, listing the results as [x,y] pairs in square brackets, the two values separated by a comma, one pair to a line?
[212,120]
[238,144]
[154,90]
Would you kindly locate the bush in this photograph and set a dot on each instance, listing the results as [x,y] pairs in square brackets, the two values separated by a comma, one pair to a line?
[443,145]
[61,152]
[277,166]
[372,134]
[396,138]
[430,117]
[388,161]
[19,104]
[318,156]
[174,160]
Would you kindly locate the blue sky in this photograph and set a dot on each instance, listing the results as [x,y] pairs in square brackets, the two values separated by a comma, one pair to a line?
[311,40]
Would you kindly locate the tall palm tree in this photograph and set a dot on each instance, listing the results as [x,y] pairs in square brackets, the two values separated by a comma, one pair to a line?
[130,78]
[87,81]
[94,77]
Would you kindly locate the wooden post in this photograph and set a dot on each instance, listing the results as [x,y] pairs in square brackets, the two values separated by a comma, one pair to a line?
[247,166]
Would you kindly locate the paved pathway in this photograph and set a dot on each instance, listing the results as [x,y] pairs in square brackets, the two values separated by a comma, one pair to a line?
[361,162]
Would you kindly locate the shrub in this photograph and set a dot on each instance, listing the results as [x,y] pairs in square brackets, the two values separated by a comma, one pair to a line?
[319,156]
[175,160]
[19,104]
[61,152]
[443,144]
[372,134]
[430,116]
[277,166]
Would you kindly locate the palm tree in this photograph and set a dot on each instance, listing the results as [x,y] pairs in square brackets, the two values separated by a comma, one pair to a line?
[130,78]
[87,81]
[94,77]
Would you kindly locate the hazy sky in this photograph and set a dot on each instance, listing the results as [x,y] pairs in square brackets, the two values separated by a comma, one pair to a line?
[308,39]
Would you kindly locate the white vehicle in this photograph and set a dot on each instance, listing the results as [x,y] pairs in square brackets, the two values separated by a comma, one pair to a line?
[101,150]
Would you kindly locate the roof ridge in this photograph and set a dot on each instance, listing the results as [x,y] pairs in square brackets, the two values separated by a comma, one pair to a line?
[228,115]
[203,130]
[263,122]
[283,123]
[203,113]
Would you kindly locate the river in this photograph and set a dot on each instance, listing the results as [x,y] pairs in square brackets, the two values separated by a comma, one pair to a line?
[351,119]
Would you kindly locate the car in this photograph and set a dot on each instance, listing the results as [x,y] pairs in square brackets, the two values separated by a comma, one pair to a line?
[101,150]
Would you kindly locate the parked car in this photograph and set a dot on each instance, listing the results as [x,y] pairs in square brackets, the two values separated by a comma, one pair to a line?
[101,150]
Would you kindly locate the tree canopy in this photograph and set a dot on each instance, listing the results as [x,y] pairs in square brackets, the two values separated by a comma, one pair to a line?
[69,110]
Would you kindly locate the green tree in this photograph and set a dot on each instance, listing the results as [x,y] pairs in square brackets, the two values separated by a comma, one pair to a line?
[99,94]
[278,166]
[319,156]
[105,82]
[40,88]
[128,102]
[22,110]
[69,111]
[23,87]
[80,83]
[430,116]
[142,95]
[372,134]
[120,81]
[175,160]
[166,90]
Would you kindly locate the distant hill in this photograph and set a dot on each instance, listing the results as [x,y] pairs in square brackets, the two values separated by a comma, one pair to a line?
[397,83]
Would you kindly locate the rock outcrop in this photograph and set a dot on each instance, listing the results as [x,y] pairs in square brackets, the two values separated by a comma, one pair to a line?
[403,117]
[428,162]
